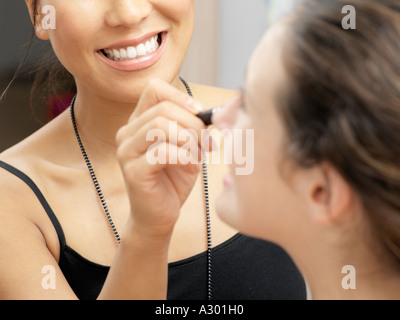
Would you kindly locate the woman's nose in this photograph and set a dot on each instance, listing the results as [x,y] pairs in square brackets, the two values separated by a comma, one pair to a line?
[226,116]
[127,13]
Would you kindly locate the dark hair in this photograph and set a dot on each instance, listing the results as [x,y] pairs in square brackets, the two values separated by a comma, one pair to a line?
[342,105]
[50,77]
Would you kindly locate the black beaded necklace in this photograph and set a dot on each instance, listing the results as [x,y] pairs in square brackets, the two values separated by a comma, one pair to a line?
[107,212]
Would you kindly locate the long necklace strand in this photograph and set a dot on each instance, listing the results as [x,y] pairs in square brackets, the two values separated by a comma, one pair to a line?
[207,205]
[92,174]
[107,212]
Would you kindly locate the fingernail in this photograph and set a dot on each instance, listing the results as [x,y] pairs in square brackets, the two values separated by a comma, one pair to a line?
[195,105]
[198,106]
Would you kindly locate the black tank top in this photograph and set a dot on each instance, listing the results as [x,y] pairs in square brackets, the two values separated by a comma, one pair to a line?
[244,268]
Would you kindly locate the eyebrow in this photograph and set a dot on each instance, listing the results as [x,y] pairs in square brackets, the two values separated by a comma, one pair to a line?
[241,97]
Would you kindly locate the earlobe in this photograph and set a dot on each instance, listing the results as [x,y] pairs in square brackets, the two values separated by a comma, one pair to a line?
[41,33]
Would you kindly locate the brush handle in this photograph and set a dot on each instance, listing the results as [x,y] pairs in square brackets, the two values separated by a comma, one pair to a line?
[206,116]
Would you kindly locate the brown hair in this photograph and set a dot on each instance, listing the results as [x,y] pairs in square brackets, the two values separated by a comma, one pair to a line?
[342,105]
[50,77]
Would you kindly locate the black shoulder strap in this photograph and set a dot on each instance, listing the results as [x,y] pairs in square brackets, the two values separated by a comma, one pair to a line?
[41,198]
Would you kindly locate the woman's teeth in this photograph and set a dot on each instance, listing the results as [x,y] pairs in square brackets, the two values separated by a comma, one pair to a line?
[128,53]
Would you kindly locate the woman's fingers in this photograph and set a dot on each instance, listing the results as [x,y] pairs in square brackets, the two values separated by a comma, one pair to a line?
[158,91]
[156,131]
[164,122]
[159,151]
[164,109]
[141,166]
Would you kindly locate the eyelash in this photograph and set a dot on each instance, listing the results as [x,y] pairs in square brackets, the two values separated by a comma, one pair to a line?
[242,104]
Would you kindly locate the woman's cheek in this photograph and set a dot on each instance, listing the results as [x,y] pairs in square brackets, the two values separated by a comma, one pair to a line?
[175,9]
[73,36]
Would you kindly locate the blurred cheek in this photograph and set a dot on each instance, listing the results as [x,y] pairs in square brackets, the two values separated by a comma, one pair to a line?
[251,203]
[243,198]
[244,207]
[260,197]
[175,9]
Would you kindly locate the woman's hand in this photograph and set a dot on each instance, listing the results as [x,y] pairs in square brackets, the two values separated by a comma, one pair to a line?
[158,190]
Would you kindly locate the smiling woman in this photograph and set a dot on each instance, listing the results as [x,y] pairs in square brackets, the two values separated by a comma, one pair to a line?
[135,54]
[112,225]
[115,26]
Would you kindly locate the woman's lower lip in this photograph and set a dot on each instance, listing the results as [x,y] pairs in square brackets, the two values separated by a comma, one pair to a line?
[138,63]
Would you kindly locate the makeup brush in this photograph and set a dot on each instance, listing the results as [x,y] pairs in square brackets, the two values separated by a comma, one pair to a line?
[207,116]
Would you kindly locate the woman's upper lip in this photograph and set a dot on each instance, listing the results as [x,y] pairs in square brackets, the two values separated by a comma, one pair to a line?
[132,42]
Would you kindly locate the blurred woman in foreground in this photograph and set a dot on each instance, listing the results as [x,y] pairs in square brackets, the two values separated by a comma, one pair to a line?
[324,103]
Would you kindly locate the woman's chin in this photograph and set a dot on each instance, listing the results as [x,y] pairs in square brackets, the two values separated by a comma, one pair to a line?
[227,208]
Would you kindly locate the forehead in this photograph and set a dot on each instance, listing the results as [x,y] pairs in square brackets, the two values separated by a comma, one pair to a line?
[265,72]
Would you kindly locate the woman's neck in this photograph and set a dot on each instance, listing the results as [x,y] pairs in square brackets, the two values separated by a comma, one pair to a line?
[361,275]
[367,287]
[99,119]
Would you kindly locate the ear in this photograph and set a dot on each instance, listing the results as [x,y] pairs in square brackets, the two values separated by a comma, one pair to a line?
[329,197]
[36,18]
[30,4]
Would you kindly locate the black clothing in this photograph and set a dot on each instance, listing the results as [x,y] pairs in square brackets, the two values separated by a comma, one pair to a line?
[244,268]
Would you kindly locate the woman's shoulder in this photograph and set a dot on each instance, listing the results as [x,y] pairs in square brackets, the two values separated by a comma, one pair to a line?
[36,148]
[212,96]
[26,163]
[21,157]
[26,233]
[18,165]
[16,195]
[20,204]
[22,182]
